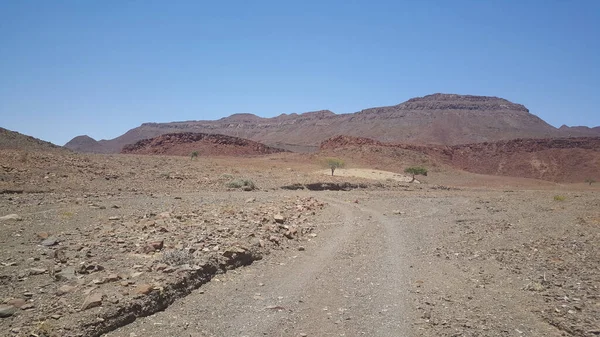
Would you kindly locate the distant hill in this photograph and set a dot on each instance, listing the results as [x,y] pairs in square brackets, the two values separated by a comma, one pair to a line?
[17,141]
[445,119]
[183,144]
[557,159]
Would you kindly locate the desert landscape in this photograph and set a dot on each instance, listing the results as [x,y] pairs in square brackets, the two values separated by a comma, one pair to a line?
[237,227]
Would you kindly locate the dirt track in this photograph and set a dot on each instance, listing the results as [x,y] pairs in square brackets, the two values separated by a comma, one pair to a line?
[374,273]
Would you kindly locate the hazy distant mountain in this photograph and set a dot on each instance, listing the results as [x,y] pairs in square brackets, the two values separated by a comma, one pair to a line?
[445,119]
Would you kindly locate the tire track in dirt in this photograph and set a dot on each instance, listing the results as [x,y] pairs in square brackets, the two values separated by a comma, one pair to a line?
[346,283]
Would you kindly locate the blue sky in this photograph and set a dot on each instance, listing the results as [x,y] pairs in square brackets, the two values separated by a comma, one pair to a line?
[103,67]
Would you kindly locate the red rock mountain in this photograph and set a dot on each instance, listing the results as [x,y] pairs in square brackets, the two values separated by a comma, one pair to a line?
[558,159]
[445,119]
[183,144]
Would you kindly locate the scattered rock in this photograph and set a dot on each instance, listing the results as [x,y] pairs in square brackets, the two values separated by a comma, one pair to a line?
[7,310]
[65,274]
[37,271]
[114,218]
[13,217]
[16,302]
[65,289]
[157,245]
[144,289]
[43,235]
[60,255]
[279,218]
[51,241]
[93,300]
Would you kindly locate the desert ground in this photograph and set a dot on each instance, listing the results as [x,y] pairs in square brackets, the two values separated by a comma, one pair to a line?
[133,245]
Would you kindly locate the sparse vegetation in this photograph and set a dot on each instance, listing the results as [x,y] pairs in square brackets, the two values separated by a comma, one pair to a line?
[560,198]
[590,181]
[194,155]
[177,257]
[416,170]
[244,184]
[334,163]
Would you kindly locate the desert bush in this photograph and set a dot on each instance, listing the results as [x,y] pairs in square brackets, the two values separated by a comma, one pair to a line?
[245,184]
[177,257]
[416,170]
[334,163]
[590,181]
[560,198]
[194,155]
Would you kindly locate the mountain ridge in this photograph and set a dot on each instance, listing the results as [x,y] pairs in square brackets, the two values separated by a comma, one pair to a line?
[446,119]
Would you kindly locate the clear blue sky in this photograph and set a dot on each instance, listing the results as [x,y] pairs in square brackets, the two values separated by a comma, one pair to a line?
[102,67]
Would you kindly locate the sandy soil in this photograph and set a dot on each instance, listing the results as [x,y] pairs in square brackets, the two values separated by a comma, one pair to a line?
[154,246]
[369,174]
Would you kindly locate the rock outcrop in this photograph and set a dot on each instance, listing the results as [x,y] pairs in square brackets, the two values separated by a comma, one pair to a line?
[183,144]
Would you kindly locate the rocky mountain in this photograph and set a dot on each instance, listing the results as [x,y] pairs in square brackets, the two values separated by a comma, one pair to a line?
[445,119]
[17,141]
[183,144]
[554,159]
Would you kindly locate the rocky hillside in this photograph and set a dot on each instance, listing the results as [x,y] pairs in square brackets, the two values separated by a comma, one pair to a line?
[553,159]
[183,144]
[16,141]
[444,119]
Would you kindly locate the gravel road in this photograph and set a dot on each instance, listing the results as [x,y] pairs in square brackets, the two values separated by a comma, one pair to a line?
[350,281]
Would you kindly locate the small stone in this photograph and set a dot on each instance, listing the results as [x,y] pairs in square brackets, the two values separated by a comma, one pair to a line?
[144,289]
[27,306]
[250,200]
[65,274]
[37,271]
[43,235]
[92,301]
[157,245]
[114,218]
[65,289]
[51,241]
[301,248]
[13,217]
[60,255]
[112,278]
[16,302]
[274,239]
[55,316]
[7,310]
[164,215]
[279,218]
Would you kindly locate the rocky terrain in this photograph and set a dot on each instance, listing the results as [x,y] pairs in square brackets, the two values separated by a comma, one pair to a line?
[125,245]
[554,159]
[183,144]
[444,119]
[17,141]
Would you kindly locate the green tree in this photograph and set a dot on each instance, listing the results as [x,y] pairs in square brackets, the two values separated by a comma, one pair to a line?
[416,170]
[194,155]
[334,163]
